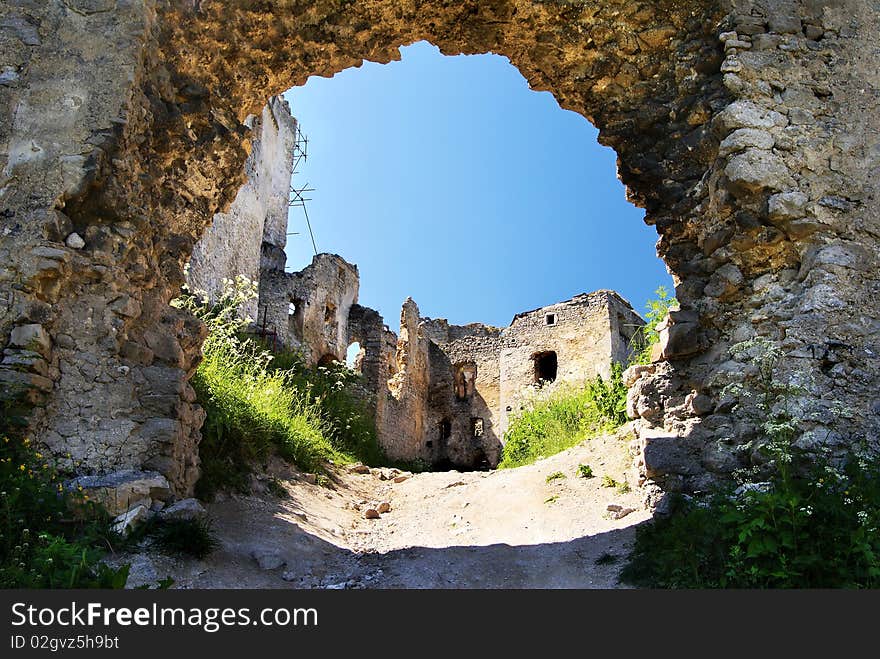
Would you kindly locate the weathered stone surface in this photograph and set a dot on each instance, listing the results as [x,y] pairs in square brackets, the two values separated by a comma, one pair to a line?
[746,138]
[756,170]
[184,509]
[75,241]
[120,491]
[125,123]
[31,337]
[787,206]
[680,340]
[267,559]
[130,520]
[666,454]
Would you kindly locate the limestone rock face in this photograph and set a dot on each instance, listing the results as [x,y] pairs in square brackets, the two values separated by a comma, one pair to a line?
[127,125]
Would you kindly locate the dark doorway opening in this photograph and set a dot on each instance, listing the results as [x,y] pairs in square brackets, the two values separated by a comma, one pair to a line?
[546,366]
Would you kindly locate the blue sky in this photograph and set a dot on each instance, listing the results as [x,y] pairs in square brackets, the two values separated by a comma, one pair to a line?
[447,179]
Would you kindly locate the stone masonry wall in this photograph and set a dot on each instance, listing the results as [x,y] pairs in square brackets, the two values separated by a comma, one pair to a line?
[454,401]
[747,129]
[232,245]
[584,335]
[310,309]
[446,404]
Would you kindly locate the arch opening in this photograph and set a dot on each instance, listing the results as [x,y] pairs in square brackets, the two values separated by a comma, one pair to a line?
[648,77]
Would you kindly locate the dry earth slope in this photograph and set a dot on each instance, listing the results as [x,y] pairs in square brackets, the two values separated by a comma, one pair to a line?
[501,529]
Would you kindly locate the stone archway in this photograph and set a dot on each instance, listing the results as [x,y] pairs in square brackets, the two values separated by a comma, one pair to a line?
[743,127]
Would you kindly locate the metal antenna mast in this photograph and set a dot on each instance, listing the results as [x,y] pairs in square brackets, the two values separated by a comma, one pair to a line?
[297,198]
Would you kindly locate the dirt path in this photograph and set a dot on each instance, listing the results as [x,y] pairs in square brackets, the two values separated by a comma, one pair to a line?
[509,528]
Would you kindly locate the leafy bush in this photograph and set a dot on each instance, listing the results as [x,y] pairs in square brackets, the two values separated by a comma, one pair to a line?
[585,471]
[257,402]
[648,336]
[555,421]
[43,544]
[811,524]
[813,531]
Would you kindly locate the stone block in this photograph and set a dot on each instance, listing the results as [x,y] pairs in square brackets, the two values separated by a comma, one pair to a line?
[754,171]
[680,340]
[665,454]
[185,509]
[119,491]
[128,521]
[787,206]
[32,337]
[746,138]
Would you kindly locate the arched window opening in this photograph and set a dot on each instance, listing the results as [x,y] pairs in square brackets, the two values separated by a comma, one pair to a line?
[465,380]
[354,357]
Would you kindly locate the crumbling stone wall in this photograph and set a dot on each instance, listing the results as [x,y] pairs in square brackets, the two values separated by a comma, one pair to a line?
[465,394]
[584,335]
[754,155]
[454,387]
[309,310]
[257,220]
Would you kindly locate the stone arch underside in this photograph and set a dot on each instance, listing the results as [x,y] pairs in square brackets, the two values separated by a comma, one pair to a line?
[745,128]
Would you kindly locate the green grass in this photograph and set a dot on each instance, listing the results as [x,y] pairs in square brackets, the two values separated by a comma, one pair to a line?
[257,403]
[567,416]
[192,537]
[558,475]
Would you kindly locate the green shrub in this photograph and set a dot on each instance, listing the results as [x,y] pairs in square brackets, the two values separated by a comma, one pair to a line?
[585,471]
[559,420]
[43,544]
[193,537]
[257,403]
[801,531]
[555,476]
[647,336]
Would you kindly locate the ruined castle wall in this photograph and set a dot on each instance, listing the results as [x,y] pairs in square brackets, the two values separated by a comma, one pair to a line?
[624,331]
[578,331]
[402,416]
[747,129]
[309,310]
[788,249]
[233,244]
[471,411]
